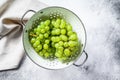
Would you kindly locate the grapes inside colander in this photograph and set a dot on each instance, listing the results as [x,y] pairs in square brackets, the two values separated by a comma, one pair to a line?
[55,39]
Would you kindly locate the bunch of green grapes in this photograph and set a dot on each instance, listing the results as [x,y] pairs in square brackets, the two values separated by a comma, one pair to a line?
[54,39]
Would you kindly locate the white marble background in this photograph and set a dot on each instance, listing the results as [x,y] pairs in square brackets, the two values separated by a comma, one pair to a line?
[102,22]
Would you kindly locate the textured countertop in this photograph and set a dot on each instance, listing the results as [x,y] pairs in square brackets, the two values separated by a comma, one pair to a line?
[102,22]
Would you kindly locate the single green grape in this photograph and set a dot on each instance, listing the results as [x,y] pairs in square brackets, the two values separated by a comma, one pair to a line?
[72,43]
[66,44]
[53,44]
[42,30]
[37,33]
[47,28]
[63,37]
[38,38]
[69,33]
[69,28]
[57,45]
[45,46]
[57,39]
[42,23]
[53,32]
[47,41]
[63,31]
[63,23]
[41,36]
[44,51]
[53,38]
[33,40]
[47,22]
[73,37]
[53,22]
[56,25]
[35,30]
[36,49]
[38,30]
[63,58]
[57,31]
[35,45]
[41,54]
[61,43]
[57,54]
[37,42]
[67,52]
[46,55]
[60,49]
[39,47]
[46,35]
[58,21]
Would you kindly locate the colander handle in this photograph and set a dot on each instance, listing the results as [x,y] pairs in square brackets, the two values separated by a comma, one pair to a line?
[83,61]
[22,21]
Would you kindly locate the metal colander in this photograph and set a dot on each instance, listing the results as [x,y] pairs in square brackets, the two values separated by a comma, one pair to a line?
[50,13]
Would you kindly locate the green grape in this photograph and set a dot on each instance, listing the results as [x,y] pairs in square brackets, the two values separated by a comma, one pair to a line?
[53,32]
[37,42]
[69,28]
[38,26]
[63,37]
[63,58]
[42,23]
[57,45]
[53,44]
[61,43]
[36,49]
[53,22]
[56,25]
[37,33]
[32,40]
[38,30]
[57,31]
[57,39]
[73,37]
[67,52]
[41,54]
[72,43]
[58,21]
[39,47]
[63,31]
[43,51]
[60,49]
[42,26]
[38,38]
[41,36]
[63,23]
[57,54]
[46,55]
[66,44]
[49,50]
[69,33]
[35,30]
[53,38]
[42,30]
[47,28]
[47,41]
[46,35]
[35,45]
[47,22]
[45,46]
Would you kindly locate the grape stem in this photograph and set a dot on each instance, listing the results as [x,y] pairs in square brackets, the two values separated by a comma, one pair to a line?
[33,35]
